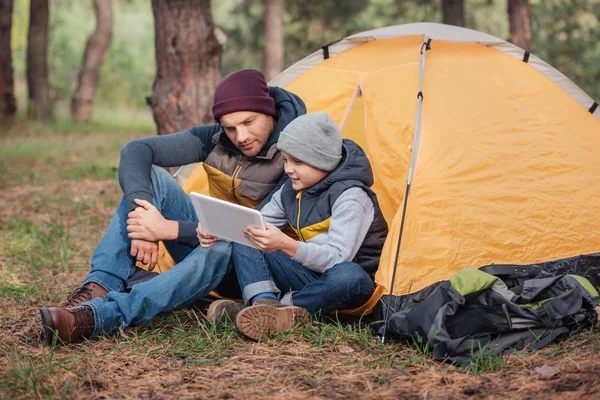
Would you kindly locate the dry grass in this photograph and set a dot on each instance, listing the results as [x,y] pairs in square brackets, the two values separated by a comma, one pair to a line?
[48,229]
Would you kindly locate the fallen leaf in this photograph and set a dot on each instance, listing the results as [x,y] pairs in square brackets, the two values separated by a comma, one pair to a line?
[345,349]
[546,371]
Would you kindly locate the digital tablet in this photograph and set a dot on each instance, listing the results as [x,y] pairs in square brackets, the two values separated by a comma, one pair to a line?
[224,219]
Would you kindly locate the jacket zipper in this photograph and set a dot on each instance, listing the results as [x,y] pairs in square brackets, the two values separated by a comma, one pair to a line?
[299,197]
[236,172]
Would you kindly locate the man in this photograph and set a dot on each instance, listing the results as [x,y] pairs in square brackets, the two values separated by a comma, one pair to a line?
[243,165]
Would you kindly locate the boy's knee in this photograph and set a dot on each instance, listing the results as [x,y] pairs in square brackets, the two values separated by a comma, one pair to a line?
[240,250]
[351,275]
[218,251]
[236,247]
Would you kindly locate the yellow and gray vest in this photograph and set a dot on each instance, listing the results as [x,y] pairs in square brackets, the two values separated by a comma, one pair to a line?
[309,211]
[247,181]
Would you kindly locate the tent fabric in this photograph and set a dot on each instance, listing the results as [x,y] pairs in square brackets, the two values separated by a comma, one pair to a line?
[506,159]
[434,31]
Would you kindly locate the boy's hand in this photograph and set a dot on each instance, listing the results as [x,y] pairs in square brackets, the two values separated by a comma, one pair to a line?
[269,240]
[206,239]
[147,223]
[146,252]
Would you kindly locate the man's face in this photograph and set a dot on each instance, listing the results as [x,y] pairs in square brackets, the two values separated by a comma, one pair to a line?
[249,131]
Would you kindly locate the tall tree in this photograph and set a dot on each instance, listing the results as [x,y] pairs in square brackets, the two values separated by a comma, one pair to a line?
[519,17]
[453,12]
[40,105]
[8,104]
[83,99]
[273,42]
[187,64]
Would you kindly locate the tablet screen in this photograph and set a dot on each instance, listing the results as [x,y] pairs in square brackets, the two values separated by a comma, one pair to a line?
[224,219]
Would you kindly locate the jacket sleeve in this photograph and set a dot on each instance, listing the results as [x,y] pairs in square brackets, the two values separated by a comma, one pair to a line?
[187,233]
[351,218]
[138,156]
[273,211]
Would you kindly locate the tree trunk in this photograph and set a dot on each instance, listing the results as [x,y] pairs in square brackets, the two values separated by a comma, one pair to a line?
[453,12]
[40,105]
[274,45]
[519,18]
[83,99]
[8,103]
[187,64]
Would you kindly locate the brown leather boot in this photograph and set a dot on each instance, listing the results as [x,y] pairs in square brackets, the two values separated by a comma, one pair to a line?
[268,316]
[221,310]
[72,324]
[84,293]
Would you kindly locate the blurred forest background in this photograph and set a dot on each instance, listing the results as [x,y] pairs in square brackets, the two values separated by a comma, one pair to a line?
[564,33]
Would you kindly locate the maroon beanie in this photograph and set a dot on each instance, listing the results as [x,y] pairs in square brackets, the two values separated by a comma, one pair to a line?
[244,90]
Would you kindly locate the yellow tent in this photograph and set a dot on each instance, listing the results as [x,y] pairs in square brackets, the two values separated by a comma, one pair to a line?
[482,153]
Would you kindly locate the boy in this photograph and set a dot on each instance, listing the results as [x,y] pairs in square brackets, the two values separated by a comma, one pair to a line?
[341,230]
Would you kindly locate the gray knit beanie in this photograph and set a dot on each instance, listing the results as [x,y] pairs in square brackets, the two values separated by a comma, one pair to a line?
[313,139]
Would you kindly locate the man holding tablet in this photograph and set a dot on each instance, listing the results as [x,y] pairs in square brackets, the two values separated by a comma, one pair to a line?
[244,166]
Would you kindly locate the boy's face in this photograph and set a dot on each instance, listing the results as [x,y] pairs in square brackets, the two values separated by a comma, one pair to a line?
[249,131]
[301,175]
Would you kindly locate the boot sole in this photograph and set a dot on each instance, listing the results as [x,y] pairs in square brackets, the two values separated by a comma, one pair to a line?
[47,324]
[258,321]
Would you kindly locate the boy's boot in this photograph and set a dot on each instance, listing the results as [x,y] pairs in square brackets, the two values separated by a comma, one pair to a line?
[268,316]
[82,294]
[221,310]
[71,324]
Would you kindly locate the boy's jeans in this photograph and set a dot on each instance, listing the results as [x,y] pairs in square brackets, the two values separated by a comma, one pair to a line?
[197,272]
[343,286]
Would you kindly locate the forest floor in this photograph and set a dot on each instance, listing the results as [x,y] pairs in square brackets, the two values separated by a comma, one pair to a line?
[57,195]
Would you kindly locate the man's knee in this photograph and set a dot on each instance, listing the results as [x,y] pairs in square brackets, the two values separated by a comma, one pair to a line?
[160,179]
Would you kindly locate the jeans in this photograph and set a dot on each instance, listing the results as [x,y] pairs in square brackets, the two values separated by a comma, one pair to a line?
[345,285]
[197,270]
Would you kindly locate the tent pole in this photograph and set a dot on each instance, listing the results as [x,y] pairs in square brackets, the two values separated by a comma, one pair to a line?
[357,93]
[413,160]
[389,305]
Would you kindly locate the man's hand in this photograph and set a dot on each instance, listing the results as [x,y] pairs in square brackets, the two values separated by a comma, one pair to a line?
[146,252]
[147,223]
[271,239]
[206,239]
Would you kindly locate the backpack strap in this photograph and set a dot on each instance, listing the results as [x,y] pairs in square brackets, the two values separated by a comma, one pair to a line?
[507,271]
